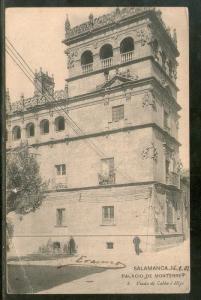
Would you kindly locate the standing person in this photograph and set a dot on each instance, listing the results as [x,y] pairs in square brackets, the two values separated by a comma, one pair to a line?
[71,246]
[136,242]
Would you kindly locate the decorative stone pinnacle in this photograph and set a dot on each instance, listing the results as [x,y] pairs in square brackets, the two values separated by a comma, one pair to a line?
[117,10]
[175,36]
[67,24]
[91,18]
[149,100]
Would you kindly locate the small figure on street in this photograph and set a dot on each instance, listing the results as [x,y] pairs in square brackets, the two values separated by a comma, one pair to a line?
[71,244]
[136,242]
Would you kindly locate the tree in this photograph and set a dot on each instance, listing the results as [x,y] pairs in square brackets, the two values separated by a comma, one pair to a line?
[25,188]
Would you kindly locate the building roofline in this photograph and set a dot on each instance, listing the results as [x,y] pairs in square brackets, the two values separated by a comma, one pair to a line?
[116,18]
[95,93]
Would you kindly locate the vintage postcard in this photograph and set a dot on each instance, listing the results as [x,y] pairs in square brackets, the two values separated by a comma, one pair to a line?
[97,150]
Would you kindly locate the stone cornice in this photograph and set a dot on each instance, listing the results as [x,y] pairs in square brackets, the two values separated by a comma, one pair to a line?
[106,133]
[137,60]
[64,102]
[162,185]
[117,17]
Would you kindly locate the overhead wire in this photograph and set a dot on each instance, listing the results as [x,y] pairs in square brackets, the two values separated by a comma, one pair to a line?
[55,109]
[70,121]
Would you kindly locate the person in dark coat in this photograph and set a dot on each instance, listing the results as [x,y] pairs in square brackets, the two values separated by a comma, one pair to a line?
[71,246]
[136,242]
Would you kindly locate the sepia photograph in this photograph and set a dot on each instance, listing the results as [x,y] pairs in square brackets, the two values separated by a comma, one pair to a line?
[97,150]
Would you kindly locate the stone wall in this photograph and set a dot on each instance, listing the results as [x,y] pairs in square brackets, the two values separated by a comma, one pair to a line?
[83,221]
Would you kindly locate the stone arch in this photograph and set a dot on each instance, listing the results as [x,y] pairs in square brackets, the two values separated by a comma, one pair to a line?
[44,126]
[30,130]
[86,58]
[16,133]
[127,45]
[106,51]
[60,123]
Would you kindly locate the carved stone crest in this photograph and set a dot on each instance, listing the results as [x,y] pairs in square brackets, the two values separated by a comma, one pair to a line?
[145,35]
[149,99]
[71,58]
[150,152]
[179,166]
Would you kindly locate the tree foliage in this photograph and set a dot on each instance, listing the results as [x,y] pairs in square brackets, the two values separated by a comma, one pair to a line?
[25,189]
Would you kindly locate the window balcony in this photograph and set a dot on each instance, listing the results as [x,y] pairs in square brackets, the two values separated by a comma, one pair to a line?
[107,62]
[59,183]
[128,56]
[87,68]
[173,179]
[106,179]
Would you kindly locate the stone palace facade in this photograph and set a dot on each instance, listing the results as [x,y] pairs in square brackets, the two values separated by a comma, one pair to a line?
[108,143]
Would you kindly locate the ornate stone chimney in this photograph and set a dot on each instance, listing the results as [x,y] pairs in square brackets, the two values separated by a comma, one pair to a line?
[44,84]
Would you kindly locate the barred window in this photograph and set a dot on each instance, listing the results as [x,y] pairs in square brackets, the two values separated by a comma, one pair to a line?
[60,216]
[108,215]
[117,113]
[61,169]
[169,213]
[110,245]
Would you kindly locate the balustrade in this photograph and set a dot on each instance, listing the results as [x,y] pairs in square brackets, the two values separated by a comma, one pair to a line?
[107,62]
[87,68]
[106,179]
[128,56]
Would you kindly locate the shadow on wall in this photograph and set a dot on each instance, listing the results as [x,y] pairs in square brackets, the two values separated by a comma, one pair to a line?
[32,279]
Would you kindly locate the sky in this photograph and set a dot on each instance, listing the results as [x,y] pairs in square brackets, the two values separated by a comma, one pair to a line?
[37,34]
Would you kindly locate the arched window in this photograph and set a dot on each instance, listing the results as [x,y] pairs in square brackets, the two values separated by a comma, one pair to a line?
[106,51]
[60,123]
[106,54]
[163,59]
[86,58]
[127,45]
[44,127]
[126,49]
[30,130]
[87,61]
[16,133]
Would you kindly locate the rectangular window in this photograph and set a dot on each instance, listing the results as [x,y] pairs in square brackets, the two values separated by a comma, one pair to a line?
[60,169]
[117,113]
[170,210]
[166,121]
[60,216]
[107,174]
[107,166]
[110,245]
[108,215]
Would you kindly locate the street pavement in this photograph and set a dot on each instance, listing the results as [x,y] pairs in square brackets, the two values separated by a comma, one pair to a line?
[131,279]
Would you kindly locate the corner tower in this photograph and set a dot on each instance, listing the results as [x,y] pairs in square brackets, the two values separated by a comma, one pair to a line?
[128,38]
